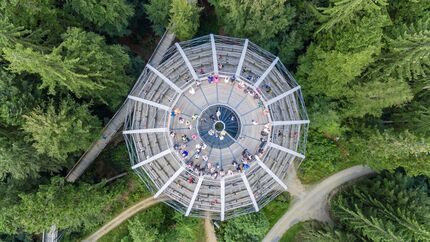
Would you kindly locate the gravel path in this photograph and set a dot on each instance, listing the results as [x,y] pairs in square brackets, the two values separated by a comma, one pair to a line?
[209,231]
[126,214]
[312,202]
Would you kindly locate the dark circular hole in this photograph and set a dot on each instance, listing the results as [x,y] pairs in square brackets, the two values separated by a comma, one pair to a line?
[219,126]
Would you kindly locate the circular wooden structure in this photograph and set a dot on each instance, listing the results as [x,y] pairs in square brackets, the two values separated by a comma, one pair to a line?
[215,127]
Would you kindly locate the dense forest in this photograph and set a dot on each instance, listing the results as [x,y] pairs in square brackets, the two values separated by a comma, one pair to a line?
[66,66]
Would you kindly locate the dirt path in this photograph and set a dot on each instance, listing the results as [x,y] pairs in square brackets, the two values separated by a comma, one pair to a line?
[126,214]
[312,202]
[209,231]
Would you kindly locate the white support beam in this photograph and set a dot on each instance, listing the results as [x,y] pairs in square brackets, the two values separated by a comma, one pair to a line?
[145,131]
[281,148]
[251,194]
[171,179]
[266,72]
[242,58]
[290,122]
[196,192]
[151,103]
[214,56]
[222,198]
[270,172]
[165,79]
[277,98]
[150,159]
[187,62]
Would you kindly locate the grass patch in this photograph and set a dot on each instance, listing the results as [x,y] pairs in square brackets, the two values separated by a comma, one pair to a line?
[276,208]
[292,233]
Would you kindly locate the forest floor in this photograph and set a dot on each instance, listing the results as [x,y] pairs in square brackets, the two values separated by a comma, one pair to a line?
[126,214]
[311,202]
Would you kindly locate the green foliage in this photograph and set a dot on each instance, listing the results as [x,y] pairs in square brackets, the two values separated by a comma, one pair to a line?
[276,208]
[301,28]
[389,150]
[66,205]
[250,227]
[391,207]
[59,131]
[260,21]
[325,119]
[82,64]
[186,227]
[344,11]
[158,14]
[322,233]
[11,35]
[17,97]
[39,16]
[109,16]
[184,20]
[103,65]
[414,116]
[372,97]
[144,227]
[322,158]
[408,11]
[408,57]
[16,159]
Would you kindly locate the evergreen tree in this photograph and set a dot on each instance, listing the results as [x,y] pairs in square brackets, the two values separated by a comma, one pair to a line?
[372,97]
[17,97]
[17,160]
[186,227]
[414,116]
[83,64]
[57,132]
[109,16]
[11,35]
[260,21]
[408,57]
[145,226]
[325,233]
[184,20]
[42,17]
[391,207]
[343,11]
[250,227]
[68,206]
[158,14]
[389,150]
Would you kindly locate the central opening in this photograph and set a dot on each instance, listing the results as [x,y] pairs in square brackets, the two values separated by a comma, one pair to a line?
[219,126]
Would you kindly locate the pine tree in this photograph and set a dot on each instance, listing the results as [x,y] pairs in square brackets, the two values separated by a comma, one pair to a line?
[11,35]
[389,150]
[391,207]
[184,19]
[343,11]
[372,97]
[82,64]
[68,206]
[109,16]
[57,132]
[408,56]
[260,21]
[17,97]
[158,14]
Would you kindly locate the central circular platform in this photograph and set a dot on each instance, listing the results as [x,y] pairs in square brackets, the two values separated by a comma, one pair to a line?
[219,126]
